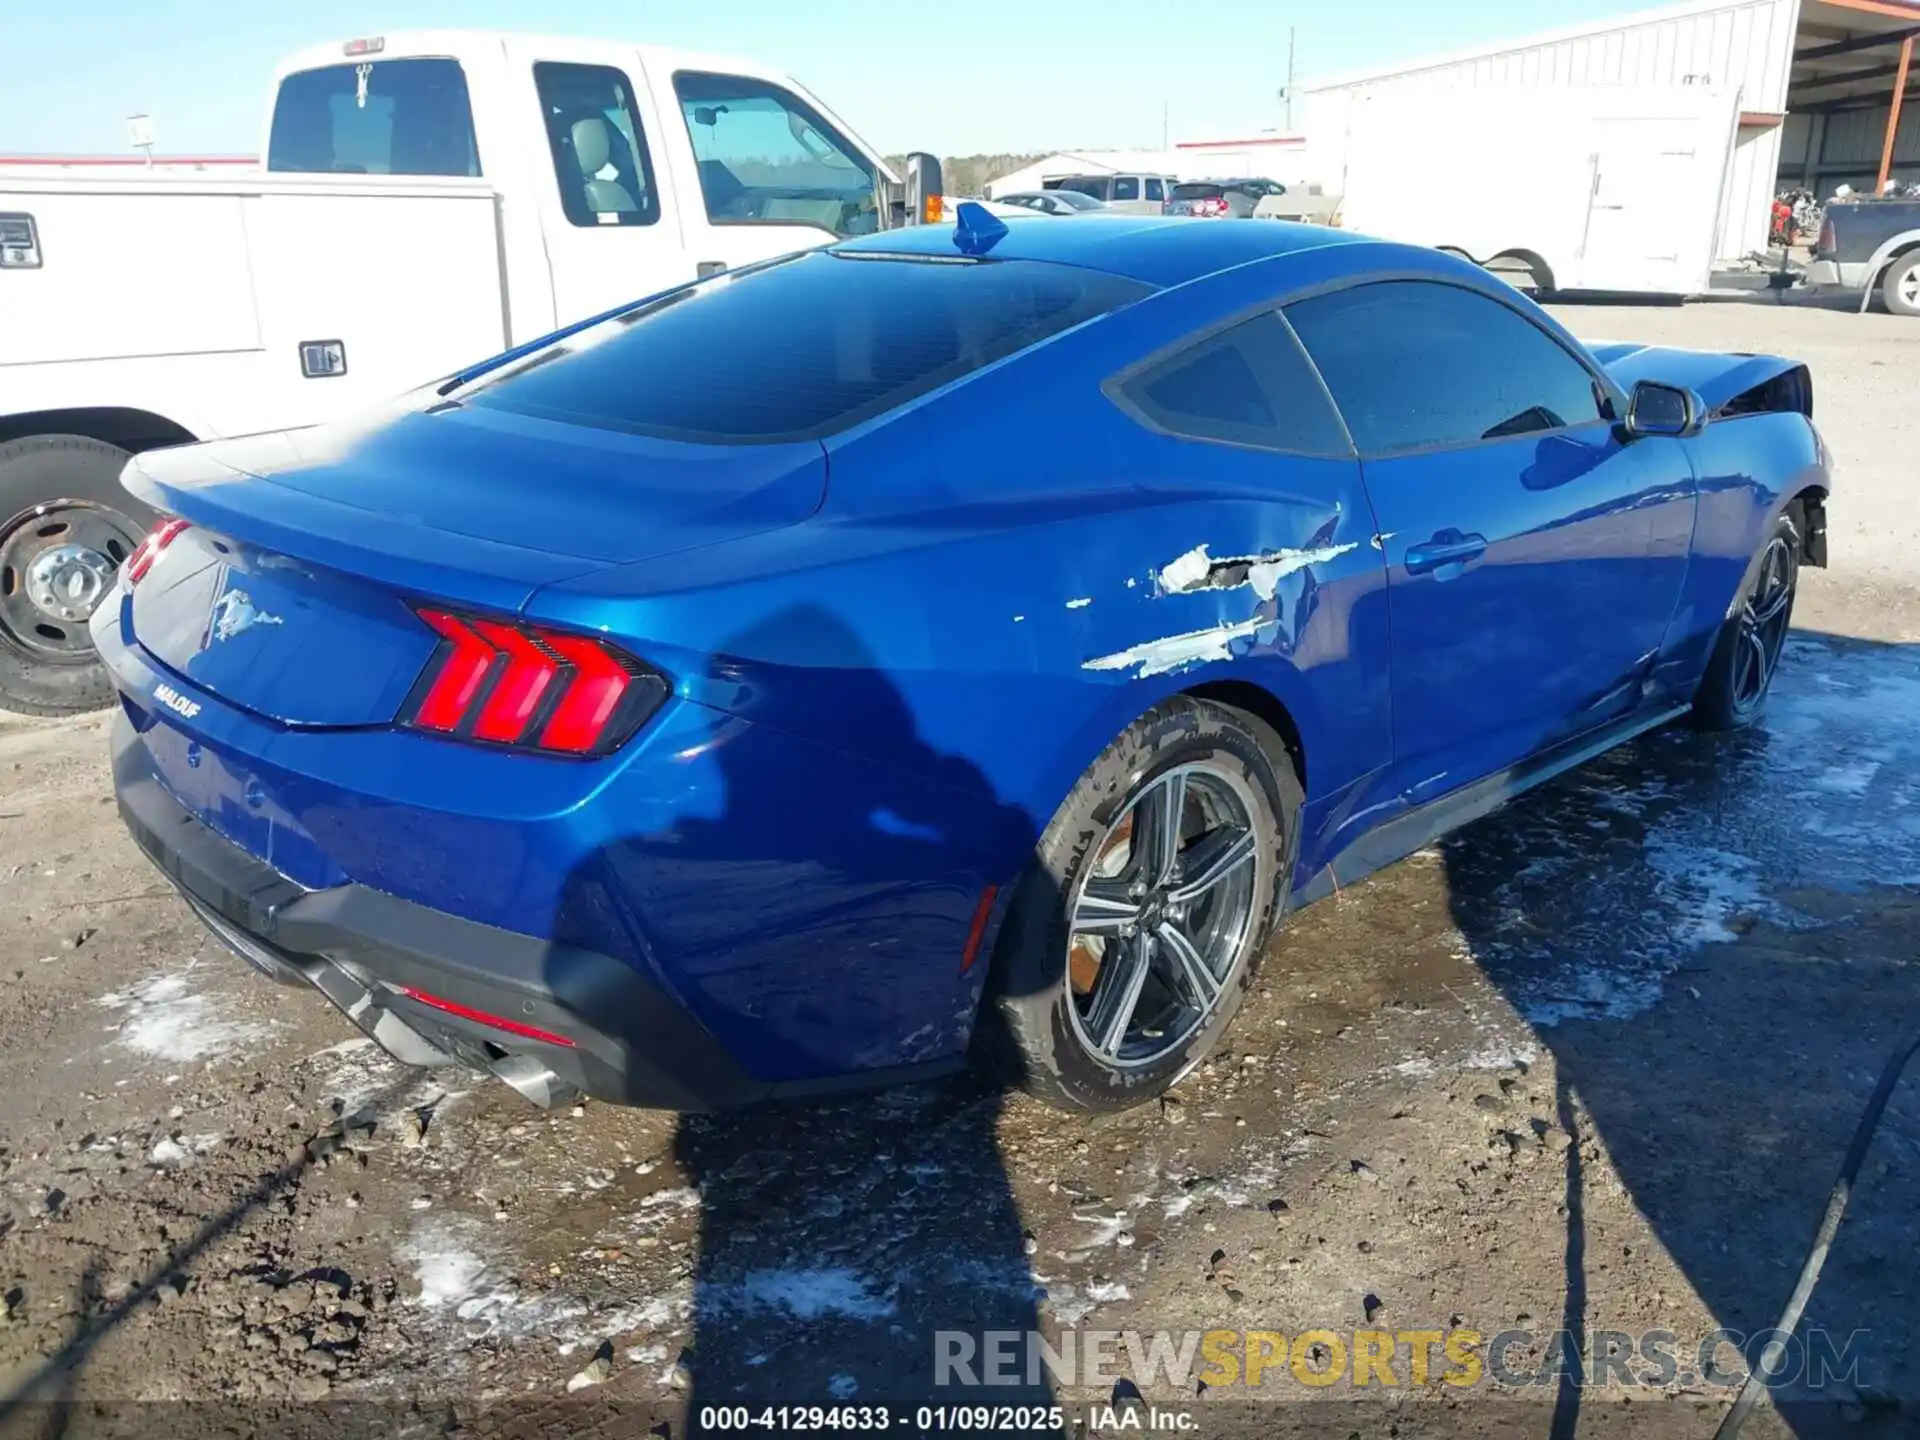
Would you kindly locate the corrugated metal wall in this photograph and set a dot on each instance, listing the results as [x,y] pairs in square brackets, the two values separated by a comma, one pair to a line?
[1846,148]
[1743,45]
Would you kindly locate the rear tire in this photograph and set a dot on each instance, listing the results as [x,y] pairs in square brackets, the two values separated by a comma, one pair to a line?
[1739,674]
[60,498]
[1227,778]
[1901,287]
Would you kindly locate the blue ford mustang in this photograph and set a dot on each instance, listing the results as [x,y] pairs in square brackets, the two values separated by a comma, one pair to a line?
[945,644]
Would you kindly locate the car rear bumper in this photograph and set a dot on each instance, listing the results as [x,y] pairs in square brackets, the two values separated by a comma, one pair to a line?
[552,1019]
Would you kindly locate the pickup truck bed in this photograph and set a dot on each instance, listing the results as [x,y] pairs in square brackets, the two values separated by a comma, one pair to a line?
[1871,244]
[228,277]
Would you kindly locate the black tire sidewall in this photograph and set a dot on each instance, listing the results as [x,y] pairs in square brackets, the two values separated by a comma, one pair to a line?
[1030,1038]
[1714,707]
[49,469]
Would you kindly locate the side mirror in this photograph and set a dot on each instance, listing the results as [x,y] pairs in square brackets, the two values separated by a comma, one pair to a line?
[1655,409]
[924,204]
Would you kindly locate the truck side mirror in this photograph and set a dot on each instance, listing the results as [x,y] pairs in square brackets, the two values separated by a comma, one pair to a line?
[925,205]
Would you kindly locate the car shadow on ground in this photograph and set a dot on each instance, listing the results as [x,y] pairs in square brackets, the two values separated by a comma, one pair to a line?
[837,1238]
[1723,1087]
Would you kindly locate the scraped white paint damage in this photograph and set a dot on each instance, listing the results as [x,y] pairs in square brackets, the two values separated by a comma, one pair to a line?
[1195,569]
[1177,652]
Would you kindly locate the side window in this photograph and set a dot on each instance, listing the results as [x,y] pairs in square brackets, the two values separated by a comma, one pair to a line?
[1126,187]
[1415,364]
[766,157]
[1247,385]
[599,151]
[1155,189]
[383,117]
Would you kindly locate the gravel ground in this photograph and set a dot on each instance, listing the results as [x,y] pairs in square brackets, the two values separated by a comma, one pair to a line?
[1588,1066]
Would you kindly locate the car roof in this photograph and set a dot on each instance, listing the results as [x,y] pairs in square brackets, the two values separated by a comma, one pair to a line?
[1155,249]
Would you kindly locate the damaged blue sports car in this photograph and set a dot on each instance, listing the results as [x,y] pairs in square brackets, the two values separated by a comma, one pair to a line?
[946,645]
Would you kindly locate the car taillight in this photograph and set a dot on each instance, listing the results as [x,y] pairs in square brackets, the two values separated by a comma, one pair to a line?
[1216,207]
[150,549]
[533,689]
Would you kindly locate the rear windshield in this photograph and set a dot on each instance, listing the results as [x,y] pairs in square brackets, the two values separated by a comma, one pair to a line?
[1196,192]
[802,347]
[380,117]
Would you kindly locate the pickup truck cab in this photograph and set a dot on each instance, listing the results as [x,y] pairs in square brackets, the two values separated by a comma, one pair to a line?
[426,200]
[1869,244]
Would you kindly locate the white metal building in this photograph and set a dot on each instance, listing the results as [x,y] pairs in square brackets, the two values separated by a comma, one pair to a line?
[1820,86]
[1083,162]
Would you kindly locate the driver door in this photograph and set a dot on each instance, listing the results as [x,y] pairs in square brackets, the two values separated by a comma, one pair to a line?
[774,175]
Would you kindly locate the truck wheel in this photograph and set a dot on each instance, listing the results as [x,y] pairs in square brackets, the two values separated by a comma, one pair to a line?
[1901,288]
[65,526]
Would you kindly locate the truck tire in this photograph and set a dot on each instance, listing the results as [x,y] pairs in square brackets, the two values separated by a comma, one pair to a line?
[65,525]
[1901,287]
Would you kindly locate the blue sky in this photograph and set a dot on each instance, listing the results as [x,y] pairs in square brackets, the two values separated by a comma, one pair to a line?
[993,74]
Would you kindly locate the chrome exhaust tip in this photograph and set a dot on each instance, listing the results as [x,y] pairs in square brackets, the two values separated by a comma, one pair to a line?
[534,1081]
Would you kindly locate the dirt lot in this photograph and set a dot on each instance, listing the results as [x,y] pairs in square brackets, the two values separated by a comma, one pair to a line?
[1589,1066]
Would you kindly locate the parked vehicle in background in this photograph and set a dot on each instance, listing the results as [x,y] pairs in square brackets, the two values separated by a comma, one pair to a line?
[1871,244]
[428,199]
[1129,194]
[1055,202]
[633,717]
[1222,199]
[1599,188]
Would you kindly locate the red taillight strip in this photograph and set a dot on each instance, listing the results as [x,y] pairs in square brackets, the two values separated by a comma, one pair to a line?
[149,549]
[588,703]
[481,1017]
[517,694]
[506,684]
[460,676]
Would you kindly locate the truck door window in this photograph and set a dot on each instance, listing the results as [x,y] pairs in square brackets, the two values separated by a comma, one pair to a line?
[766,157]
[1155,189]
[1126,187]
[380,117]
[599,151]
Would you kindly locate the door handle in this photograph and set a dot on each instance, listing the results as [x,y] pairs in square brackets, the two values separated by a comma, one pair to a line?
[1447,547]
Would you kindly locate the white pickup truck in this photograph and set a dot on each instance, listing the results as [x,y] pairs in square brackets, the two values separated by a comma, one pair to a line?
[427,200]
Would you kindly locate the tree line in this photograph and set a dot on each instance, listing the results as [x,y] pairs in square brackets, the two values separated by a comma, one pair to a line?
[969,174]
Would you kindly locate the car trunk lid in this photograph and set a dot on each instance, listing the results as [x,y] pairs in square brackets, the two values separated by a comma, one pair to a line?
[291,594]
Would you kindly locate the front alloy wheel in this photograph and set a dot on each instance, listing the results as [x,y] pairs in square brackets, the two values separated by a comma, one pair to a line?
[1733,689]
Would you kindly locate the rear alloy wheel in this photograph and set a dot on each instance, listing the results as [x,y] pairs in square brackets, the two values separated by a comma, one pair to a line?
[1131,940]
[1733,692]
[1901,288]
[65,526]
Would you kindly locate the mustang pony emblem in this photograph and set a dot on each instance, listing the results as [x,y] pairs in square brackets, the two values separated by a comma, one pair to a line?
[234,612]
